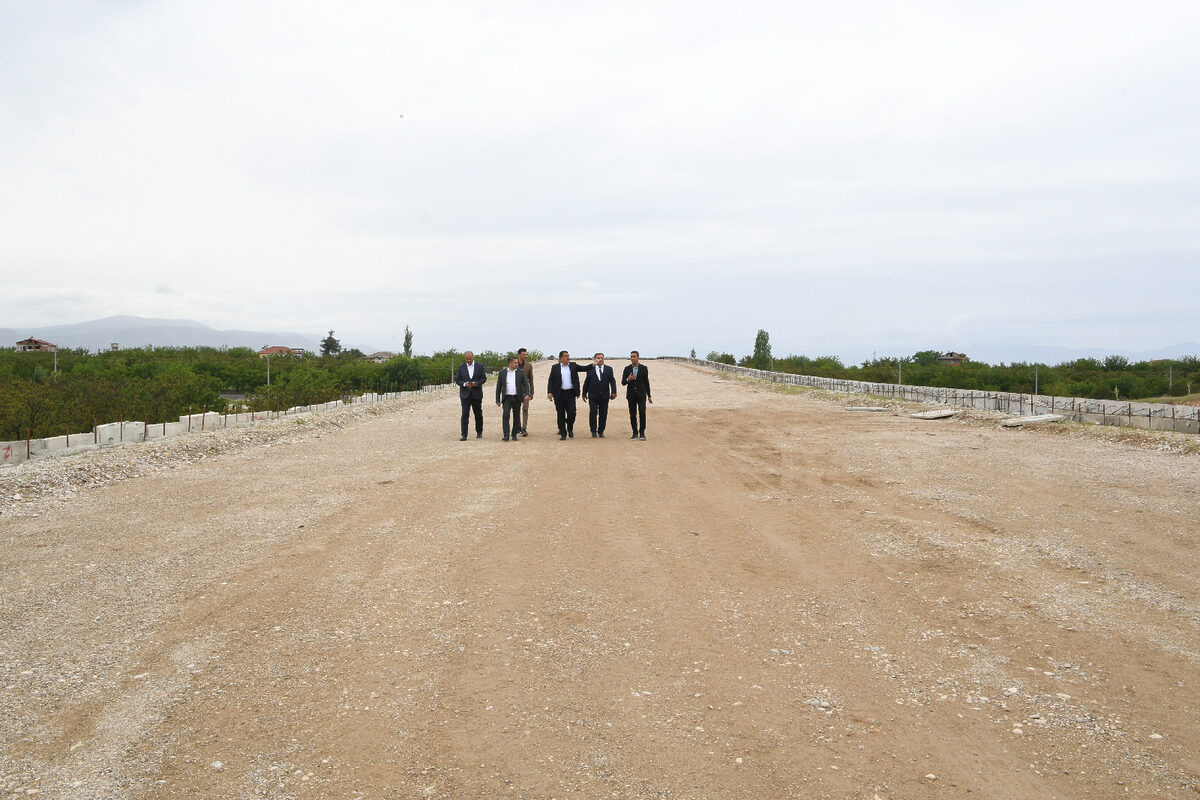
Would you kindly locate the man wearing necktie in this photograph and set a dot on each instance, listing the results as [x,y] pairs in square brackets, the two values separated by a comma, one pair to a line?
[470,378]
[599,387]
[563,387]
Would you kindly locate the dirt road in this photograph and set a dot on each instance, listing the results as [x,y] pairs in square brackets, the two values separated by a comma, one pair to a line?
[770,597]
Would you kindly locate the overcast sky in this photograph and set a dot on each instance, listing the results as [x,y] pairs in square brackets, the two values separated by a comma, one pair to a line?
[855,177]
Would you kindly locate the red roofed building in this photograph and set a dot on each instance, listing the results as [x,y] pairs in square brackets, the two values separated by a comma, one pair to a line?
[279,350]
[32,344]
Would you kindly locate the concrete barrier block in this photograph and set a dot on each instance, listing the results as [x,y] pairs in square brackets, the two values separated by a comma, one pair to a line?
[120,432]
[12,452]
[57,444]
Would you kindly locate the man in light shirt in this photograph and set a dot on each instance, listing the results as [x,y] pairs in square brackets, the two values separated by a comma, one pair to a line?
[512,389]
[598,388]
[563,387]
[470,379]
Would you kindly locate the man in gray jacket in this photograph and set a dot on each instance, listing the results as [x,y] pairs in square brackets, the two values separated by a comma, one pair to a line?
[512,390]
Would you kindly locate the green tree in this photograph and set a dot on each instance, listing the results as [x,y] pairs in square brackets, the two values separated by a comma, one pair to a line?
[403,374]
[408,340]
[762,350]
[926,358]
[330,346]
[1116,363]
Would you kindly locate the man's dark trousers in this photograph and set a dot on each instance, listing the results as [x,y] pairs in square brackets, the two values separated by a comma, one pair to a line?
[564,407]
[598,414]
[637,405]
[512,405]
[470,404]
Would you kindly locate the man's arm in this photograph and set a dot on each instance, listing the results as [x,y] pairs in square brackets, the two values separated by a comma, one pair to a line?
[625,373]
[646,377]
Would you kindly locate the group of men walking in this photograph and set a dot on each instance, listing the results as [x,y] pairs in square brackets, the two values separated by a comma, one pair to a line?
[514,390]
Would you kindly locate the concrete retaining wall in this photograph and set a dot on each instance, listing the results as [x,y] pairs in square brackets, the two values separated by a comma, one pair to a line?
[1153,416]
[127,432]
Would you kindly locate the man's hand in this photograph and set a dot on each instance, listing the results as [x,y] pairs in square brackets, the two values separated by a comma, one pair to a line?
[613,396]
[497,405]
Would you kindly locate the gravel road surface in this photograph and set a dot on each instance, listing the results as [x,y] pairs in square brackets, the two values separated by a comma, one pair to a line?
[770,597]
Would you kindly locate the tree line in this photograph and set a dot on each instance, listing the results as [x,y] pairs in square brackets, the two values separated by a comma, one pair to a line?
[43,396]
[1111,378]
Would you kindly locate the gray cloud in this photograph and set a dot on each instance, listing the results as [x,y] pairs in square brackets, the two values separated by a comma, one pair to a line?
[855,179]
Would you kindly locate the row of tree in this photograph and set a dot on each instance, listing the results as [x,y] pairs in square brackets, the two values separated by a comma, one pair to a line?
[1114,377]
[47,394]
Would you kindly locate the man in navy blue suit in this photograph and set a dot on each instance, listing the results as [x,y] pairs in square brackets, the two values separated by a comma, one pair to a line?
[470,379]
[599,387]
[563,387]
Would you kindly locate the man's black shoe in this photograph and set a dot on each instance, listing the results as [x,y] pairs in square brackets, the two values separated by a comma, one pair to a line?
[506,438]
[634,435]
[524,432]
[643,436]
[601,435]
[562,437]
[571,434]
[593,434]
[464,438]
[479,435]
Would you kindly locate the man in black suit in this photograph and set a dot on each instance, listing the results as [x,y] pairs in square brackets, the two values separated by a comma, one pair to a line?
[512,389]
[636,380]
[470,379]
[598,388]
[563,387]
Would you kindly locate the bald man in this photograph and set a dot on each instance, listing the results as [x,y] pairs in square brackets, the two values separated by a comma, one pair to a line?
[470,379]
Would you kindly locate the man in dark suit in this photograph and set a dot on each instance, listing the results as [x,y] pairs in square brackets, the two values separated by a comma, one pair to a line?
[563,387]
[598,388]
[470,379]
[636,380]
[512,389]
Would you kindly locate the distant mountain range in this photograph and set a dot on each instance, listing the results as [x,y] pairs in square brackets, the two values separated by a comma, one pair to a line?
[129,332]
